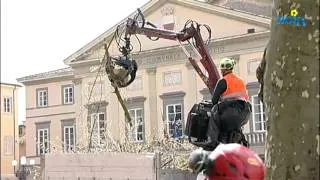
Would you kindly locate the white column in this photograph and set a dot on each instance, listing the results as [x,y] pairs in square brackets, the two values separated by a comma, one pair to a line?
[81,111]
[152,109]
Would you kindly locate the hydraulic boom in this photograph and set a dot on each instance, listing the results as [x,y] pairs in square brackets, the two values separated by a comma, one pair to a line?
[188,33]
[119,69]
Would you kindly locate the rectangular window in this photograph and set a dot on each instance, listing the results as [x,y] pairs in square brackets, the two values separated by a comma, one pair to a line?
[137,132]
[98,125]
[174,120]
[68,95]
[7,104]
[258,115]
[43,141]
[8,145]
[172,78]
[42,97]
[69,139]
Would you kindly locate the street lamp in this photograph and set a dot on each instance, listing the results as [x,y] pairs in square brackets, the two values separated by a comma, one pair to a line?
[24,169]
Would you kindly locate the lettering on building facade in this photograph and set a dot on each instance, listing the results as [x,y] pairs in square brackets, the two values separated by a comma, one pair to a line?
[157,59]
[160,59]
[175,57]
[218,49]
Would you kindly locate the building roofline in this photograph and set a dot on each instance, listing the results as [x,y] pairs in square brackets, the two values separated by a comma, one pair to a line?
[213,42]
[63,72]
[227,5]
[240,15]
[218,41]
[228,11]
[10,84]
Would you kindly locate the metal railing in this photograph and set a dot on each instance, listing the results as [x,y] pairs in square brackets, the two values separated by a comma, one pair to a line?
[256,138]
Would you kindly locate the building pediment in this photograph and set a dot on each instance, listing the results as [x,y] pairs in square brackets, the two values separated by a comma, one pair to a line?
[223,21]
[166,56]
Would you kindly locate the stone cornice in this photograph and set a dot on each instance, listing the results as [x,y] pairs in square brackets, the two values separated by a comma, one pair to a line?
[60,73]
[216,44]
[87,62]
[10,84]
[43,122]
[45,80]
[172,94]
[174,55]
[50,115]
[241,38]
[135,99]
[151,59]
[226,12]
[99,104]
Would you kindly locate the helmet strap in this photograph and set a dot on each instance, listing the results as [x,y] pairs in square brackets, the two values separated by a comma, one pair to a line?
[225,72]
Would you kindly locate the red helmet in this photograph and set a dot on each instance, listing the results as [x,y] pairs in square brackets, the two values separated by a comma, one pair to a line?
[235,162]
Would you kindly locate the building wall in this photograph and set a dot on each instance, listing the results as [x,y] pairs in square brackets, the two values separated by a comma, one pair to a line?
[102,166]
[221,26]
[9,130]
[149,91]
[152,88]
[51,116]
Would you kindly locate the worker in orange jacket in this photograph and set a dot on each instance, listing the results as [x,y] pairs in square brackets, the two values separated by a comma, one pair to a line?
[234,108]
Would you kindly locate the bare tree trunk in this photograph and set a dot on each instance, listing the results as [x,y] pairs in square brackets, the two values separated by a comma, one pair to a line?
[291,94]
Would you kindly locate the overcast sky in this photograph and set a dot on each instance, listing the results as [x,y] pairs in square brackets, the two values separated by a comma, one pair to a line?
[37,35]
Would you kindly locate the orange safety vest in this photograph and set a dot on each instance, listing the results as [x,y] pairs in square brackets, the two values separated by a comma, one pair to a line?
[236,88]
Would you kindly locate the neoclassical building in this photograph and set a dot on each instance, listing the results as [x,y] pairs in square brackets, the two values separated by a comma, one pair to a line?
[63,104]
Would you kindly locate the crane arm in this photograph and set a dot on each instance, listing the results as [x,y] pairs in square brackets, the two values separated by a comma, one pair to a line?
[119,69]
[192,32]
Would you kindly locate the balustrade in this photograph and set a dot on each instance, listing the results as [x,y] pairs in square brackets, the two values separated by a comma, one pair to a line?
[256,138]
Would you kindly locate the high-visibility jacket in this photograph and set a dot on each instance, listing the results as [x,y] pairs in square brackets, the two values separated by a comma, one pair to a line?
[236,88]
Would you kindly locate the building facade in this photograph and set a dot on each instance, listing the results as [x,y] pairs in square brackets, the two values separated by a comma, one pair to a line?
[48,110]
[9,129]
[68,107]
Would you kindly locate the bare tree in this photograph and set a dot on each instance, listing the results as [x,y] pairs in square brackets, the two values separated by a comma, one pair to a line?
[291,91]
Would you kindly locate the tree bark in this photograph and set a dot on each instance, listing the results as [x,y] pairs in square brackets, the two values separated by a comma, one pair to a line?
[291,94]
